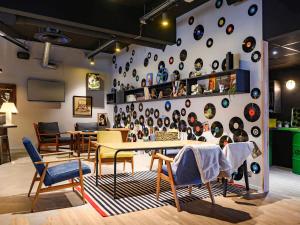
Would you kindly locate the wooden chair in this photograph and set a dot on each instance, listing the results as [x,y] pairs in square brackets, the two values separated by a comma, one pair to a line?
[186,174]
[87,135]
[51,175]
[48,135]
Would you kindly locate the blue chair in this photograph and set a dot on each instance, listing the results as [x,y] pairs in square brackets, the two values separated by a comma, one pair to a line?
[51,175]
[185,174]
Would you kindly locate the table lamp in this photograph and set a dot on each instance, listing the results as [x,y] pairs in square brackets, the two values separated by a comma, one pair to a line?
[8,108]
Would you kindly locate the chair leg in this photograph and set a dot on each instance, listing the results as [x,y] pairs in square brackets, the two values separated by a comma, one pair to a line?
[99,168]
[210,193]
[89,149]
[190,189]
[81,181]
[175,196]
[124,165]
[73,184]
[158,180]
[132,166]
[152,159]
[32,183]
[39,188]
[225,183]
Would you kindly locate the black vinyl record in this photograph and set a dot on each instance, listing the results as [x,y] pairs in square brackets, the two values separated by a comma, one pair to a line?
[134,72]
[182,126]
[143,82]
[176,116]
[255,93]
[167,121]
[209,111]
[221,22]
[132,107]
[149,55]
[183,112]
[151,111]
[178,42]
[198,128]
[141,107]
[150,122]
[224,65]
[191,137]
[141,119]
[156,113]
[114,59]
[173,125]
[146,132]
[215,65]
[164,129]
[127,66]
[140,134]
[252,10]
[171,60]
[136,122]
[219,3]
[229,29]
[134,115]
[115,83]
[131,60]
[167,106]
[124,74]
[224,140]
[255,57]
[249,44]
[187,103]
[252,112]
[238,175]
[255,131]
[183,55]
[189,130]
[198,64]
[192,119]
[175,75]
[209,42]
[156,128]
[116,109]
[146,62]
[155,57]
[147,112]
[191,20]
[159,122]
[120,69]
[217,129]
[137,78]
[240,136]
[236,124]
[116,66]
[131,126]
[181,66]
[203,139]
[161,65]
[255,168]
[128,118]
[127,108]
[225,103]
[133,52]
[198,32]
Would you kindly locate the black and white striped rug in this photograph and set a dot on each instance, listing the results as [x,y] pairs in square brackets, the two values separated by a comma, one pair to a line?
[135,193]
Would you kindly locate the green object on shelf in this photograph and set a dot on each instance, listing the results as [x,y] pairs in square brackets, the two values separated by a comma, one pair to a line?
[296,153]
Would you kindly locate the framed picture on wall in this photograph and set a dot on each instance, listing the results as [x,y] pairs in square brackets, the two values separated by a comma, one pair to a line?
[82,106]
[94,82]
[8,93]
[102,119]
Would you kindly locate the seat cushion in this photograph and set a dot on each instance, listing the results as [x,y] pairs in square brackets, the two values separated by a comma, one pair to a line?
[93,126]
[107,153]
[60,139]
[65,171]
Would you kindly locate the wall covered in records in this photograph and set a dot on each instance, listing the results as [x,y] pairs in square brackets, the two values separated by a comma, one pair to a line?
[204,36]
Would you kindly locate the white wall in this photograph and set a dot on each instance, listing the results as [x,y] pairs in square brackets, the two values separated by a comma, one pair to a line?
[72,69]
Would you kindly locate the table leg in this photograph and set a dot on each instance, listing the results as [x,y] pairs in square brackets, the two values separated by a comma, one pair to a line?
[245,169]
[115,174]
[97,162]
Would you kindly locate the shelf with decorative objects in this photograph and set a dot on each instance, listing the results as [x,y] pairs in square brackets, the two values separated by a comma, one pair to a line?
[215,84]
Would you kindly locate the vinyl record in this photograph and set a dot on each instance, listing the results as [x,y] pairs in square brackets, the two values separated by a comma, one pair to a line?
[132,107]
[167,106]
[224,65]
[249,44]
[255,57]
[219,3]
[162,76]
[156,128]
[191,20]
[140,134]
[236,124]
[252,112]
[161,65]
[229,29]
[146,62]
[209,42]
[127,108]
[198,64]
[120,69]
[255,131]
[164,129]
[191,137]
[217,129]
[189,130]
[115,83]
[203,139]
[134,115]
[134,72]
[136,122]
[156,113]
[224,140]
[137,78]
[133,137]
[221,22]
[225,103]
[181,66]
[124,74]
[149,55]
[182,126]
[187,103]
[133,52]
[141,107]
[167,121]
[183,55]
[150,122]
[127,66]
[120,110]
[176,116]
[173,125]
[155,57]
[178,42]
[240,136]
[151,111]
[192,119]
[146,132]
[171,60]
[159,122]
[255,93]
[175,75]
[252,10]
[215,65]
[255,168]
[198,128]
[131,126]
[198,32]
[114,59]
[209,111]
[141,119]
[115,109]
[147,112]
[238,175]
[128,118]
[183,112]
[143,82]
[131,60]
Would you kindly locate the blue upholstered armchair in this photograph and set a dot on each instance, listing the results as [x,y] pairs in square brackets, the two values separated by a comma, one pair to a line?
[185,174]
[50,175]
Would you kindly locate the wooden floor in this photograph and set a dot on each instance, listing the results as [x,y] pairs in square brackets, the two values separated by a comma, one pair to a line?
[280,206]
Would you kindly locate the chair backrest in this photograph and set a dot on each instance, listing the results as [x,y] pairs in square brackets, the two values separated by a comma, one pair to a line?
[37,133]
[187,169]
[34,154]
[109,136]
[93,126]
[48,128]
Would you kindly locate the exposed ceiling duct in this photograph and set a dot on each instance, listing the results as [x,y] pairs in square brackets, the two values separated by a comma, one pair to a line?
[98,50]
[14,41]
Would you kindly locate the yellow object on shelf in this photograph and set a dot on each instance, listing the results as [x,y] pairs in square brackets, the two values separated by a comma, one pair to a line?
[272,123]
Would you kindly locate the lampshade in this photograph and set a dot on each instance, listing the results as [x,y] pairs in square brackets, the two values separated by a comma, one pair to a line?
[8,107]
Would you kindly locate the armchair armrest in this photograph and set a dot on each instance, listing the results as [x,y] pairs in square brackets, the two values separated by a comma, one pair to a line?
[165,158]
[57,153]
[58,160]
[49,134]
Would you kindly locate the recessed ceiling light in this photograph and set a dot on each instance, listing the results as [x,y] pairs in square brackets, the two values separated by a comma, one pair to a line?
[118,49]
[274,52]
[290,84]
[92,61]
[164,20]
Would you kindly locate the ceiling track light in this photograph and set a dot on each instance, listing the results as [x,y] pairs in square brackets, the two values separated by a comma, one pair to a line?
[92,61]
[118,49]
[164,20]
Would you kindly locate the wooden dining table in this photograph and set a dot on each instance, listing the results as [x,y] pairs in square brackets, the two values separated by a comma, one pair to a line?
[137,146]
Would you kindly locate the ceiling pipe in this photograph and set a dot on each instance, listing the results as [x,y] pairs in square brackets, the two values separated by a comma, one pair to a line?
[102,47]
[14,41]
[46,56]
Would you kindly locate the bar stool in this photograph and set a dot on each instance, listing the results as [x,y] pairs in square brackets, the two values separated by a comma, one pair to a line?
[4,148]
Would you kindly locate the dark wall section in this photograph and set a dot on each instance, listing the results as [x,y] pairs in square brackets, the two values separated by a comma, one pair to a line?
[280,17]
[289,98]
